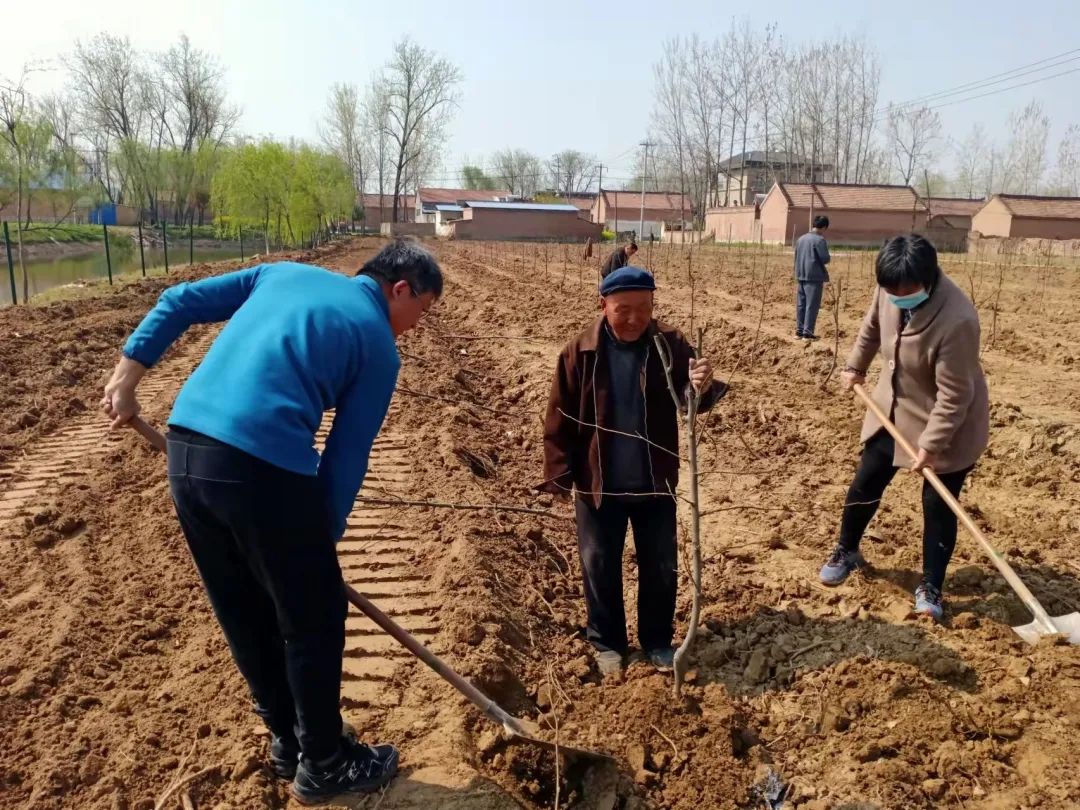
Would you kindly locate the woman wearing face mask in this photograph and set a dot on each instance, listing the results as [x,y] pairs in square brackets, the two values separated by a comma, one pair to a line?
[932,385]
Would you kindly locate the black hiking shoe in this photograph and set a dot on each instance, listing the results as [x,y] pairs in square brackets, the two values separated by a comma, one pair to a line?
[358,769]
[285,751]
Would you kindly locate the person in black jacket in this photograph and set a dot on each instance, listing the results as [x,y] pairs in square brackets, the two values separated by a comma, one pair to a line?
[618,258]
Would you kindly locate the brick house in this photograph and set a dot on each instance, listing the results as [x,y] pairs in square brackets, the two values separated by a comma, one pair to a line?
[1024,216]
[858,214]
[621,211]
[741,177]
[483,219]
[426,199]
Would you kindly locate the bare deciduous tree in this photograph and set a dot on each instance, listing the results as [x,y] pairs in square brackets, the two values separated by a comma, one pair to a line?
[517,170]
[972,163]
[1025,157]
[572,171]
[913,133]
[1067,174]
[420,92]
[342,132]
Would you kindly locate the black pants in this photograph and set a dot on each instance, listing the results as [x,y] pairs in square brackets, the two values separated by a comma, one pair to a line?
[601,535]
[875,472]
[261,539]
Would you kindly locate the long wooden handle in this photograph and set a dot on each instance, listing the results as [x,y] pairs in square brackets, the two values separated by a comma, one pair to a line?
[402,636]
[153,436]
[442,669]
[1029,600]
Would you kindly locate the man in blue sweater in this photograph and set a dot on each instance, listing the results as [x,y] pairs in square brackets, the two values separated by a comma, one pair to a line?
[811,256]
[260,509]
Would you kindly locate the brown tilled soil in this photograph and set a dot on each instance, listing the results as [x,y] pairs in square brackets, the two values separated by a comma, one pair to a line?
[116,687]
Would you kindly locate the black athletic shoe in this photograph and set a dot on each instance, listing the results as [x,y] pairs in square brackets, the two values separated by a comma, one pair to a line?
[285,752]
[799,335]
[358,769]
[809,336]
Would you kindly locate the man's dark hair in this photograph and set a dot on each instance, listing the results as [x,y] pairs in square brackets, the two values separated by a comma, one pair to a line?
[405,260]
[821,221]
[632,245]
[907,259]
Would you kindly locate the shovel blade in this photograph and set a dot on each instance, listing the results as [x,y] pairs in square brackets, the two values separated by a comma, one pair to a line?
[1067,625]
[524,735]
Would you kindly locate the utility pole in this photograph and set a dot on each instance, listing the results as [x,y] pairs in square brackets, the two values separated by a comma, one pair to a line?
[599,191]
[558,176]
[644,176]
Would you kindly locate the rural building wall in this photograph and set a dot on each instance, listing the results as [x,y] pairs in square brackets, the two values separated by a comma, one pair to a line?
[374,216]
[774,218]
[407,229]
[735,224]
[988,246]
[993,219]
[856,228]
[1044,228]
[494,223]
[626,224]
[945,237]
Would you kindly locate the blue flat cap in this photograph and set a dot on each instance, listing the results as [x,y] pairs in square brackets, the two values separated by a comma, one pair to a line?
[627,278]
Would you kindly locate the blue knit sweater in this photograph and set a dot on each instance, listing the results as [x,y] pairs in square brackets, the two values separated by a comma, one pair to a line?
[299,341]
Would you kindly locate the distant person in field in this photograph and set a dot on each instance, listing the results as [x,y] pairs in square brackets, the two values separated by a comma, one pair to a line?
[619,257]
[811,256]
[931,383]
[612,434]
[260,508]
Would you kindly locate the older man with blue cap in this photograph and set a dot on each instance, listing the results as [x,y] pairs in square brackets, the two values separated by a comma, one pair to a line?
[612,433]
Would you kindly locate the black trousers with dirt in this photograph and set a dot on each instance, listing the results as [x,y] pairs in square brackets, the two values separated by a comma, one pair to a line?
[601,537]
[875,472]
[261,539]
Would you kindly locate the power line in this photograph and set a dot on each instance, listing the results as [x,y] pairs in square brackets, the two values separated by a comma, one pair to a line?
[1007,75]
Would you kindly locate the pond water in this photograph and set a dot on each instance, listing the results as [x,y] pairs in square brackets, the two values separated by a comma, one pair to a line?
[46,273]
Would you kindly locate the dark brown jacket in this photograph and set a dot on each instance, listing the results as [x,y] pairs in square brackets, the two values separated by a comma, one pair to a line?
[574,449]
[615,260]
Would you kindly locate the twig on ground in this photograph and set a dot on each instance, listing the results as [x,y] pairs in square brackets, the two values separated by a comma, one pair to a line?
[555,715]
[542,599]
[187,780]
[746,444]
[669,741]
[806,649]
[187,801]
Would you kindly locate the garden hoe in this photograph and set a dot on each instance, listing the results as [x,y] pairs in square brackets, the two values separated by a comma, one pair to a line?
[1044,624]
[515,729]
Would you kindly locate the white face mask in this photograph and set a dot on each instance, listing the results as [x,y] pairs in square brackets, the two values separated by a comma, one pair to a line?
[909,301]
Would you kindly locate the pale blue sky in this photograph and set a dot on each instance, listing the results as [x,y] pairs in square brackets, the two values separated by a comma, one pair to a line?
[546,76]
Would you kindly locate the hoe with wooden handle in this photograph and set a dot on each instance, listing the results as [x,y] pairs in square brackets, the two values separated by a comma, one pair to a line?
[1044,624]
[515,728]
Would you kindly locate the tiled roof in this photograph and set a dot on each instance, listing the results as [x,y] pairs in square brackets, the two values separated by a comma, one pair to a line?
[1042,207]
[666,201]
[953,206]
[520,206]
[846,197]
[431,196]
[372,200]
